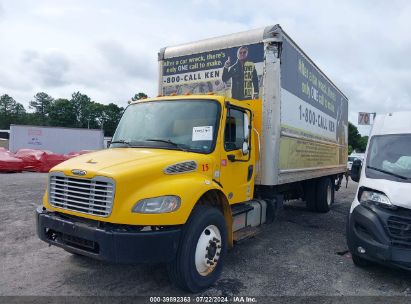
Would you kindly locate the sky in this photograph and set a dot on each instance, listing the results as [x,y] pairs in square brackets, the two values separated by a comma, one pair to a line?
[108,49]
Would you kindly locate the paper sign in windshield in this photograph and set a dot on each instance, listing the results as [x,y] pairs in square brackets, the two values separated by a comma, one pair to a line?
[202,133]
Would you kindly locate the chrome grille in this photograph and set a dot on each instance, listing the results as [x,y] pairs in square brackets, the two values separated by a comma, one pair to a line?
[92,196]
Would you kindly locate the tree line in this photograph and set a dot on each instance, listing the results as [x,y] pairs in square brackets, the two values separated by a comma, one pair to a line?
[77,112]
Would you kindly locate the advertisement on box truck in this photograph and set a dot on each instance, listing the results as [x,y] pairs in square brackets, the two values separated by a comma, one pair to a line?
[313,120]
[219,71]
[191,173]
[312,109]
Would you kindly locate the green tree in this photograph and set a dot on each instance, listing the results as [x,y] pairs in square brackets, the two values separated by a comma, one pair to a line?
[81,103]
[62,113]
[11,112]
[95,115]
[32,119]
[112,115]
[353,136]
[139,96]
[104,117]
[19,114]
[41,105]
[355,140]
[7,104]
[19,110]
[363,144]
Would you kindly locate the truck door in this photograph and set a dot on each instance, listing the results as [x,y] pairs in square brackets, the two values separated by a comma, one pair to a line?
[237,160]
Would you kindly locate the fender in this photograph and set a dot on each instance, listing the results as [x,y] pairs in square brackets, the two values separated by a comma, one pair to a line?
[189,187]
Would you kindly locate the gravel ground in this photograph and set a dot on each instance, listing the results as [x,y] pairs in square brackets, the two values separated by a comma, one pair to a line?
[302,253]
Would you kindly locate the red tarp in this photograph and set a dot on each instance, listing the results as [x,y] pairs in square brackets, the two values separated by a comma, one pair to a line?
[33,160]
[48,161]
[8,163]
[39,160]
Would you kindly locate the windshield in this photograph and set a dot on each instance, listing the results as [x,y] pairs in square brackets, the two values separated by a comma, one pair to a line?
[188,125]
[389,157]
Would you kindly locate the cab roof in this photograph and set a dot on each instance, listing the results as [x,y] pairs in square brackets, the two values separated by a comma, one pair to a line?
[392,123]
[220,98]
[179,97]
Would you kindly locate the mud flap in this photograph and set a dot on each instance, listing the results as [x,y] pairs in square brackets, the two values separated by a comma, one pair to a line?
[274,205]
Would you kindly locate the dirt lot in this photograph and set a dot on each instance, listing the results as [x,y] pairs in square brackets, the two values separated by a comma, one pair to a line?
[296,255]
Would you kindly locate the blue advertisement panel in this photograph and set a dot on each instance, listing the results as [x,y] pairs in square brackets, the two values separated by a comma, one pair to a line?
[318,105]
[234,72]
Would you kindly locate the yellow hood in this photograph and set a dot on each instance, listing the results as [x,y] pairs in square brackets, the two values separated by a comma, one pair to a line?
[118,161]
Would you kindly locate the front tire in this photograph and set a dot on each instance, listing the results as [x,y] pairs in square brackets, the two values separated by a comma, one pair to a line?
[73,253]
[201,252]
[359,261]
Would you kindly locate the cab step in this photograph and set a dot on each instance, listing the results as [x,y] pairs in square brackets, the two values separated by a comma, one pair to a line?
[245,233]
[241,208]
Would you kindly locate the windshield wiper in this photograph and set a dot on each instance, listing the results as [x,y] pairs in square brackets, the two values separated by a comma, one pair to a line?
[121,141]
[389,173]
[168,141]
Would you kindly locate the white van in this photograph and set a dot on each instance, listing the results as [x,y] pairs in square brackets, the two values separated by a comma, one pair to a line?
[379,222]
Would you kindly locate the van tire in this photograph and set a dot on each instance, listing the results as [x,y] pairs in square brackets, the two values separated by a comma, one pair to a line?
[359,261]
[184,270]
[310,188]
[73,252]
[325,194]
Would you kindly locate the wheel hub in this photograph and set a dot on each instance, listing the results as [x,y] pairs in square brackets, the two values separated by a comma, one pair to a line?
[208,250]
[211,250]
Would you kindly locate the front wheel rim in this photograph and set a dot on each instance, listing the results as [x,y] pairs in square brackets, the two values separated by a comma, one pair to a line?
[208,250]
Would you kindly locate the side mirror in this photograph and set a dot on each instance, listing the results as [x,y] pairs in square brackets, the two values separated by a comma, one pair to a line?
[246,127]
[356,170]
[246,148]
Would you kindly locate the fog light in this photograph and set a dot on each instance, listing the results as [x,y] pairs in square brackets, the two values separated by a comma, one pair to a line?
[361,250]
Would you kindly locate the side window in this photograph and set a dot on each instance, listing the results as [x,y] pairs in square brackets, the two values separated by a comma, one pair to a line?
[234,130]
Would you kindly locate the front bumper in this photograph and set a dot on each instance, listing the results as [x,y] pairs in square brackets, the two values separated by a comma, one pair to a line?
[383,233]
[112,243]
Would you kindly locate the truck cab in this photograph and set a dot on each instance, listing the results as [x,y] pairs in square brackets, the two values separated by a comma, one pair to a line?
[378,227]
[163,191]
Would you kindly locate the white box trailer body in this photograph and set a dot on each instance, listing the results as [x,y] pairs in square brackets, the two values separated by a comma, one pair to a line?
[55,139]
[304,123]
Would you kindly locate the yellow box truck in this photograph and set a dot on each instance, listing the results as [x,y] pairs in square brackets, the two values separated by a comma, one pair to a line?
[245,121]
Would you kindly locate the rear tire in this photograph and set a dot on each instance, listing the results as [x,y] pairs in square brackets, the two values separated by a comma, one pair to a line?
[325,194]
[201,252]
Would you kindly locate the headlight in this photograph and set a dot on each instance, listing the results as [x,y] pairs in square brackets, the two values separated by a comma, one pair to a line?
[376,198]
[161,204]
